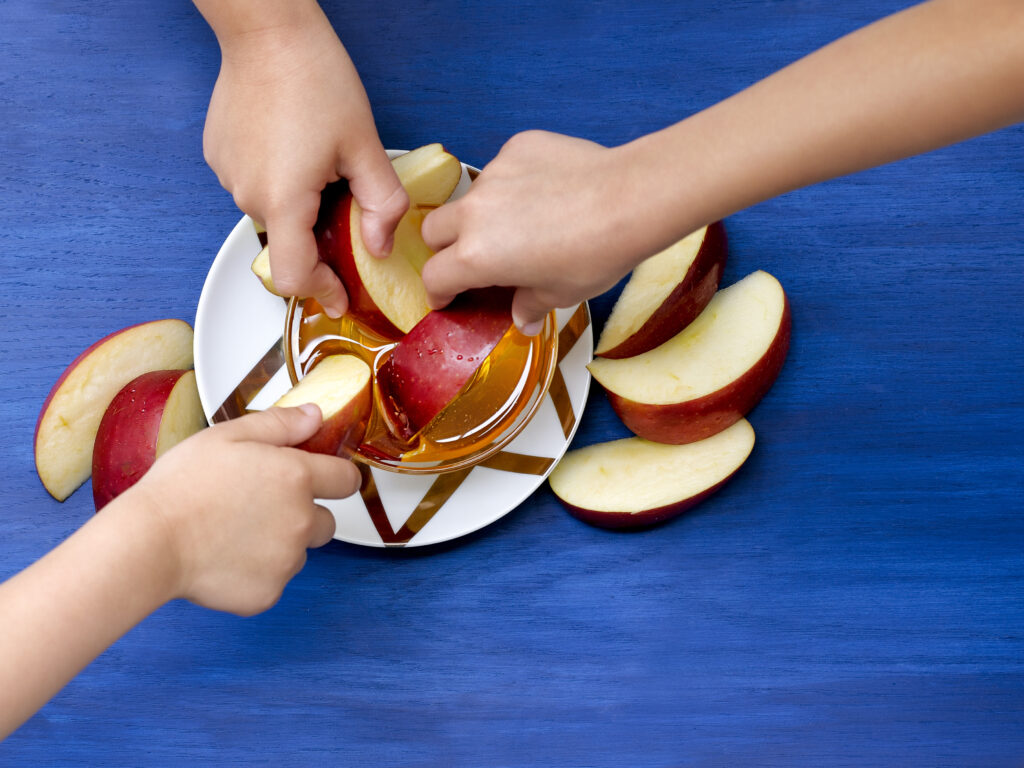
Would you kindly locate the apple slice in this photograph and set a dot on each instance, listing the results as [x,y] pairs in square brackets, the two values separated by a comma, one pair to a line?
[387,295]
[635,482]
[340,386]
[664,294]
[435,360]
[261,268]
[71,413]
[711,373]
[147,417]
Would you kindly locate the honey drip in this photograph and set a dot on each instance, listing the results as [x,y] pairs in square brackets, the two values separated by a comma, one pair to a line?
[489,403]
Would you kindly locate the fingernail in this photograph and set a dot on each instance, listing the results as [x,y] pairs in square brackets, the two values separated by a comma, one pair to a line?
[333,313]
[310,409]
[532,329]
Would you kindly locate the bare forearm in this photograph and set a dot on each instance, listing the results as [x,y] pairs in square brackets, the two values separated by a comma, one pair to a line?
[930,76]
[64,610]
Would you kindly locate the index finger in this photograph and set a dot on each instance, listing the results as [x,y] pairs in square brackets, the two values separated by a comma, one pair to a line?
[295,265]
[332,477]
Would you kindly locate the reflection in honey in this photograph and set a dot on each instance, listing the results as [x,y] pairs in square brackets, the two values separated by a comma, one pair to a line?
[489,402]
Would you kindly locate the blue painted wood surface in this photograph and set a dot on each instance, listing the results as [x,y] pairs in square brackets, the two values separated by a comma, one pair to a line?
[854,597]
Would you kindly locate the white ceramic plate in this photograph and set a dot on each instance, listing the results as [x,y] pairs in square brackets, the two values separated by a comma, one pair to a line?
[237,321]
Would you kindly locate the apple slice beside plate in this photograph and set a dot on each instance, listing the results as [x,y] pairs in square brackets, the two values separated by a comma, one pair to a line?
[147,417]
[710,374]
[664,294]
[633,482]
[71,414]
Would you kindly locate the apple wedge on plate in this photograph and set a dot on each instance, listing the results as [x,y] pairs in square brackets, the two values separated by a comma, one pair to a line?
[635,482]
[71,413]
[711,373]
[664,294]
[340,386]
[387,295]
[147,417]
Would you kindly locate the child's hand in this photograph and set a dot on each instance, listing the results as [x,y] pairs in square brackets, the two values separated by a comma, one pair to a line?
[288,115]
[546,215]
[238,507]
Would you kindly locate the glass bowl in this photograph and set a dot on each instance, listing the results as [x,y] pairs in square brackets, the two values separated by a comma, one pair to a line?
[526,367]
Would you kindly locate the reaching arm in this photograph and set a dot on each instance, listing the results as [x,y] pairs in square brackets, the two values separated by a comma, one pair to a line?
[288,115]
[929,76]
[223,519]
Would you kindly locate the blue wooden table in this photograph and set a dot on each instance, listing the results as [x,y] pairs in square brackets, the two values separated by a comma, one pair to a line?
[854,597]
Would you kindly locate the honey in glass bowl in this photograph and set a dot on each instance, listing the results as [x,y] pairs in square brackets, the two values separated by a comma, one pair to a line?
[489,411]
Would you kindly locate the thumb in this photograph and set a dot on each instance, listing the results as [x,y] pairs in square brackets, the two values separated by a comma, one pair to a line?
[529,311]
[383,200]
[274,426]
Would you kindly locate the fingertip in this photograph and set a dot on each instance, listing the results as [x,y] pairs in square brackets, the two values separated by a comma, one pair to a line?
[312,410]
[530,328]
[439,302]
[528,312]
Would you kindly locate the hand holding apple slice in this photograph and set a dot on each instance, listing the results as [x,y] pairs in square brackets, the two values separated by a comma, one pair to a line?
[664,294]
[635,482]
[435,360]
[387,295]
[147,417]
[71,413]
[340,386]
[711,373]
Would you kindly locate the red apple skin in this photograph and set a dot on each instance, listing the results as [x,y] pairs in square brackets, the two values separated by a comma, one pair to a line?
[687,300]
[693,420]
[646,518]
[333,233]
[429,367]
[126,440]
[341,432]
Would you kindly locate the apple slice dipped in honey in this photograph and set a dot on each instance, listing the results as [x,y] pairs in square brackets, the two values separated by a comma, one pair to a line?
[387,295]
[147,417]
[340,386]
[664,294]
[635,482]
[437,358]
[71,413]
[710,374]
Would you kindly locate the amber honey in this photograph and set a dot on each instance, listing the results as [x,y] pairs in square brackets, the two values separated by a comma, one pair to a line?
[487,407]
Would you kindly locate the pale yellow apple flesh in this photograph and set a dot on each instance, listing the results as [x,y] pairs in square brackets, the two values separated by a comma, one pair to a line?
[71,415]
[650,285]
[429,174]
[183,414]
[632,482]
[387,295]
[340,386]
[725,341]
[261,268]
[394,283]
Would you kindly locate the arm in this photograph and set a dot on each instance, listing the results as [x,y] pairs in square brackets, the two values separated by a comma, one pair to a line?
[229,546]
[288,115]
[934,74]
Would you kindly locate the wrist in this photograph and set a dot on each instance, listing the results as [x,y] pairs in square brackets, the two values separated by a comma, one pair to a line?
[140,527]
[240,25]
[665,190]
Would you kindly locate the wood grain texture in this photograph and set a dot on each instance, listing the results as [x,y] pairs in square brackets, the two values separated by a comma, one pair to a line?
[855,596]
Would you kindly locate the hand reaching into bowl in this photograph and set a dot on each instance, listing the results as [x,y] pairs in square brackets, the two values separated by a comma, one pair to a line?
[289,115]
